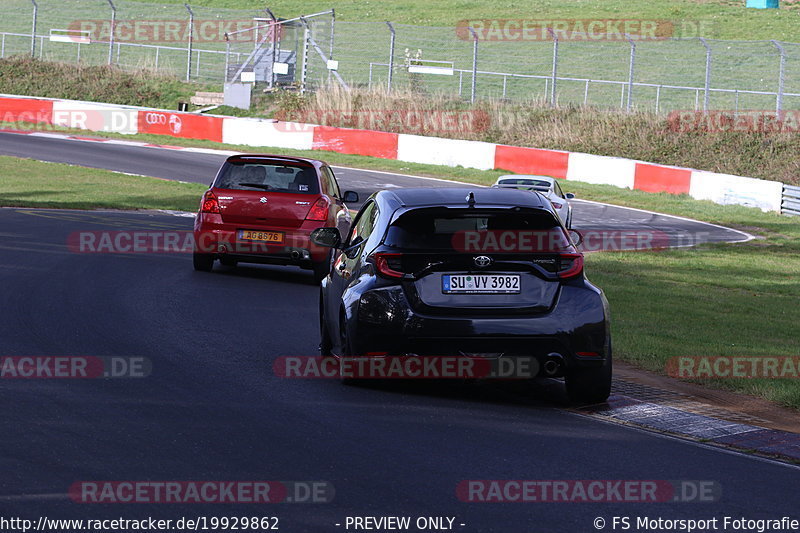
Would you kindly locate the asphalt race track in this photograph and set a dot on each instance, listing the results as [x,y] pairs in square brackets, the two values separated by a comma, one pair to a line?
[213,409]
[201,168]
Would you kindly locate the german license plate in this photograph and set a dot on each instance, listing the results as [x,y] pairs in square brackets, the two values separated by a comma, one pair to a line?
[480,283]
[260,236]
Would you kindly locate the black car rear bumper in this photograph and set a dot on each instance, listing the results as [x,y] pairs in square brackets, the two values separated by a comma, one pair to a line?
[575,328]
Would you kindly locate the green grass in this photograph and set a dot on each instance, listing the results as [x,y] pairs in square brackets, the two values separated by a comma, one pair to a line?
[729,18]
[21,75]
[721,299]
[27,183]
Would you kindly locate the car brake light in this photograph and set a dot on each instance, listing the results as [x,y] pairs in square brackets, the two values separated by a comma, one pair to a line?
[319,211]
[210,203]
[387,263]
[571,265]
[557,205]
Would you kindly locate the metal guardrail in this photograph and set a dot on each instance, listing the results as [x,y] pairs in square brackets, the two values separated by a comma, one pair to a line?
[791,200]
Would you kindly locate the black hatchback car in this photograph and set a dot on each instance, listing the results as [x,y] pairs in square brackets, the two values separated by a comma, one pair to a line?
[465,272]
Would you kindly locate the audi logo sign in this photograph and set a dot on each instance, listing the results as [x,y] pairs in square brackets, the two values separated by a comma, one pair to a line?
[162,119]
[155,118]
[177,124]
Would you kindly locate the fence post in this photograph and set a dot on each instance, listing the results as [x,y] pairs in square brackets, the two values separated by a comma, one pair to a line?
[707,83]
[333,30]
[33,29]
[474,63]
[191,43]
[632,66]
[113,31]
[781,76]
[555,67]
[227,56]
[274,29]
[391,57]
[304,71]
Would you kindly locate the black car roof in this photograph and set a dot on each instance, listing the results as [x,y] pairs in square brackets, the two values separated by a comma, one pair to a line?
[457,196]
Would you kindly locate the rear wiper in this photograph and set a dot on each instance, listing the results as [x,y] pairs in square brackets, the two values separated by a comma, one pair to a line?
[428,268]
[256,185]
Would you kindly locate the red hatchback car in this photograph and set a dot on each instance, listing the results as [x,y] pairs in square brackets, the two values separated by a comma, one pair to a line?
[262,209]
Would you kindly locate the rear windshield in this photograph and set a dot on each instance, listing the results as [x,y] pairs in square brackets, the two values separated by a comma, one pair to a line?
[272,177]
[527,182]
[468,230]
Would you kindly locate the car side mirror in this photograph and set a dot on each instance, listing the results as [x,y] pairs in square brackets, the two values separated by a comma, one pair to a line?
[350,197]
[569,196]
[327,237]
[576,236]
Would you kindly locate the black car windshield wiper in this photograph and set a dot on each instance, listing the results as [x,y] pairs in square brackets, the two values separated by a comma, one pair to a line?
[256,185]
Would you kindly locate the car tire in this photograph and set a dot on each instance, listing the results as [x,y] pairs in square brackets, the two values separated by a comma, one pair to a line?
[203,262]
[325,342]
[590,385]
[321,269]
[347,351]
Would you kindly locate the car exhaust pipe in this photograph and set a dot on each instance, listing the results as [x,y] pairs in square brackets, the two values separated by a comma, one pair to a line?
[295,255]
[554,364]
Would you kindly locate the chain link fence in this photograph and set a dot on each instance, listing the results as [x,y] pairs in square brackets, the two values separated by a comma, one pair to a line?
[655,75]
[219,45]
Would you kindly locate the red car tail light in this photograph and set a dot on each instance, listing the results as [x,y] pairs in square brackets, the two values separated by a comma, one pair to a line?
[210,204]
[387,263]
[571,265]
[319,211]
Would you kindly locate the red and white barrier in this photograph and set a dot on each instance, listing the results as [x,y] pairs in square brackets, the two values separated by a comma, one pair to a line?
[601,170]
[257,132]
[447,152]
[640,175]
[736,190]
[29,110]
[95,117]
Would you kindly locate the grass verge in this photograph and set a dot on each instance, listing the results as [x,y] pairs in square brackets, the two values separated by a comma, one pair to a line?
[27,183]
[721,299]
[729,19]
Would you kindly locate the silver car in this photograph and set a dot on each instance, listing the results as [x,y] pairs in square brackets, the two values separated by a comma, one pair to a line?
[545,185]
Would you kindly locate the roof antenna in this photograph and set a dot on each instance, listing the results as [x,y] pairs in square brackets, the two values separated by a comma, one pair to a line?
[470,199]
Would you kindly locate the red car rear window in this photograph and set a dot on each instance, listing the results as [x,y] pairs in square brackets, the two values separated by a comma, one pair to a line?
[268,177]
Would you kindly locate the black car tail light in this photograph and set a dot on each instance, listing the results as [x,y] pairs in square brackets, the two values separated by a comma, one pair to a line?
[388,265]
[570,265]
